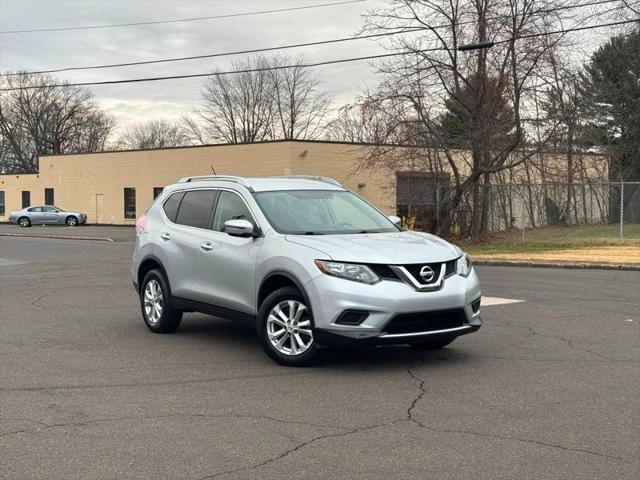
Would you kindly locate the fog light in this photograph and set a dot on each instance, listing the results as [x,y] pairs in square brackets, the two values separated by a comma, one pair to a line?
[352,317]
[475,306]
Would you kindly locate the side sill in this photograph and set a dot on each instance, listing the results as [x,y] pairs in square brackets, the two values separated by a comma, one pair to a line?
[189,305]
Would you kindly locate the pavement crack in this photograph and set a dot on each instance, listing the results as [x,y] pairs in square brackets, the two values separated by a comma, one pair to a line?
[525,440]
[418,397]
[299,446]
[569,342]
[47,388]
[169,415]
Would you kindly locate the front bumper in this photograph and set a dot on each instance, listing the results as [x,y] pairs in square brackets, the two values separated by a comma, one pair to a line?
[384,301]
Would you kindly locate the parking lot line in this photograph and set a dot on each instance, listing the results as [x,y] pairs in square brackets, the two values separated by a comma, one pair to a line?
[493,301]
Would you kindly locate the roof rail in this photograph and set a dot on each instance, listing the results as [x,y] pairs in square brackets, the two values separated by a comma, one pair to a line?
[318,178]
[224,178]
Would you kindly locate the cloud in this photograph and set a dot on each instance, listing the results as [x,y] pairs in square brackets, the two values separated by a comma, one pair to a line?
[136,102]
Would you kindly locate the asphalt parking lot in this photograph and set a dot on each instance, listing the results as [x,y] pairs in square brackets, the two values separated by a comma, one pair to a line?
[549,388]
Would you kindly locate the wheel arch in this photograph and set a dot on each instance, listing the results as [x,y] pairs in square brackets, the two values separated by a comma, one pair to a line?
[149,263]
[278,279]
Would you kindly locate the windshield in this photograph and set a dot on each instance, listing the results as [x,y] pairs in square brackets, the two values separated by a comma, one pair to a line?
[318,212]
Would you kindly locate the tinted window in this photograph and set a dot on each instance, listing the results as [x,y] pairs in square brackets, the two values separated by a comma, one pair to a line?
[1,203]
[49,209]
[35,209]
[195,208]
[26,198]
[170,207]
[230,207]
[48,196]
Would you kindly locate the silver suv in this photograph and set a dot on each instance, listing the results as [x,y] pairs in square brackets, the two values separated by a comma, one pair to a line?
[309,262]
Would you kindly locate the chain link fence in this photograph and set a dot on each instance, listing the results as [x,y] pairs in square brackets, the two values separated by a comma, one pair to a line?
[604,210]
[588,211]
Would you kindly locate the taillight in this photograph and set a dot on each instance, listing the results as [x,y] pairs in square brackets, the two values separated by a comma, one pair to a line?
[140,223]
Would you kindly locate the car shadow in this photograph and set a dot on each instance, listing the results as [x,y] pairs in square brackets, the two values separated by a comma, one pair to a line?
[240,335]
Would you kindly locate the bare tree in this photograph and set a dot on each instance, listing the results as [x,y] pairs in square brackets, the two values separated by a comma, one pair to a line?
[435,77]
[263,99]
[237,107]
[299,105]
[371,119]
[47,120]
[158,133]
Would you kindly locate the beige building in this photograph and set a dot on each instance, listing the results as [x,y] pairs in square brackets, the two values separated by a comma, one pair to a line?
[117,187]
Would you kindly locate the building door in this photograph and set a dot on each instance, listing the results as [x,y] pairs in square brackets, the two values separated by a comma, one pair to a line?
[99,208]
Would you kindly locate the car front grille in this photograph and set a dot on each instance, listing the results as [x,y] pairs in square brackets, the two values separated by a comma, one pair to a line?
[414,270]
[417,322]
[387,272]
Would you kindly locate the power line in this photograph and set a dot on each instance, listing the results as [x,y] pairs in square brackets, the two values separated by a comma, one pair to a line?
[210,74]
[306,65]
[288,46]
[214,55]
[194,19]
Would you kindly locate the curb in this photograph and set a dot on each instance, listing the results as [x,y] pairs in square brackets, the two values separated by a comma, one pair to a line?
[57,237]
[573,265]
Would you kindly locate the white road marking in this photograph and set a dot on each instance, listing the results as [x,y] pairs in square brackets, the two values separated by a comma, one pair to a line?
[492,301]
[7,262]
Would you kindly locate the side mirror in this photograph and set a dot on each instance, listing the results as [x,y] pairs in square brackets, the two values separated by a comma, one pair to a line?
[396,220]
[239,228]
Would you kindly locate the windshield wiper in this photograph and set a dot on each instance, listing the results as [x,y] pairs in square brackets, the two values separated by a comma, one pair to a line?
[312,233]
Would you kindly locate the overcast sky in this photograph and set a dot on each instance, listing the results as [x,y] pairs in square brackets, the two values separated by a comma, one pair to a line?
[135,102]
[143,101]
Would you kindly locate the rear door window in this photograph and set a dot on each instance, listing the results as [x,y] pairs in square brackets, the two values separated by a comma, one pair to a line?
[195,208]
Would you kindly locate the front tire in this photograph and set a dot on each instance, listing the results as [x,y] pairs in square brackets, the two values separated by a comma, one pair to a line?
[433,344]
[71,221]
[24,222]
[285,328]
[155,302]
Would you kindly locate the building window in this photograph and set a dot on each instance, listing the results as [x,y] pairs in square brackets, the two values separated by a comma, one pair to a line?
[26,198]
[130,202]
[157,191]
[1,203]
[48,196]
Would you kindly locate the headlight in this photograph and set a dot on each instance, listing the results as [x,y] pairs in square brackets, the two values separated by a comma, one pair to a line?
[348,271]
[464,265]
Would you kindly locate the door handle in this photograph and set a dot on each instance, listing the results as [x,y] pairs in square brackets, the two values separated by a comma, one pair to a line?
[206,246]
[165,236]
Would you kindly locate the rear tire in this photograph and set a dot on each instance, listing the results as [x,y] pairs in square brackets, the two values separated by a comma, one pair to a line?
[71,221]
[285,328]
[24,222]
[434,344]
[155,302]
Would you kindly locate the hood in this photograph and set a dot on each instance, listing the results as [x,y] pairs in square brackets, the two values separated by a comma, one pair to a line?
[393,248]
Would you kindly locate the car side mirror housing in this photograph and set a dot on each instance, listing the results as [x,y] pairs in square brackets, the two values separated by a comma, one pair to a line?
[239,228]
[396,220]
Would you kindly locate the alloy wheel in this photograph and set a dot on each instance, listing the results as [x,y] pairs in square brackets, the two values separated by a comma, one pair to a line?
[153,301]
[289,328]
